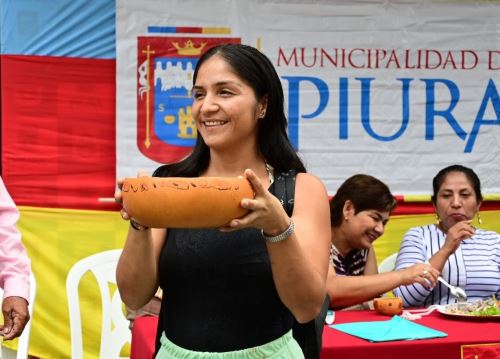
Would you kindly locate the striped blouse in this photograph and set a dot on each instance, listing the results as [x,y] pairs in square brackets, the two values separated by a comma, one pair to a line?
[475,266]
[352,264]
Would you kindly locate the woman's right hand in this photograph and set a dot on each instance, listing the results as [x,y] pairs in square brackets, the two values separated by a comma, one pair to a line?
[457,233]
[119,197]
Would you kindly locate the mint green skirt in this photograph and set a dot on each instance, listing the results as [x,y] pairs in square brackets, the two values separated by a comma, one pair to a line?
[285,347]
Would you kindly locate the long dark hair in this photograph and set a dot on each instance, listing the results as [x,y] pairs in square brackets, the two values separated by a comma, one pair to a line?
[472,177]
[259,73]
[365,192]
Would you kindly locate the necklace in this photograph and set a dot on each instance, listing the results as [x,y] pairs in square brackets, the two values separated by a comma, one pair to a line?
[269,171]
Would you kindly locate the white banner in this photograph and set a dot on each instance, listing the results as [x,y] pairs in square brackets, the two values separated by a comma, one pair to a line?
[395,89]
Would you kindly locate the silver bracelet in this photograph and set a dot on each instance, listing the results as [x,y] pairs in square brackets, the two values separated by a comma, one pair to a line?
[280,237]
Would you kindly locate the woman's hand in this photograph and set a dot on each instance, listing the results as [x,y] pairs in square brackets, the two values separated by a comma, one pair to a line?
[266,211]
[421,273]
[119,197]
[456,234]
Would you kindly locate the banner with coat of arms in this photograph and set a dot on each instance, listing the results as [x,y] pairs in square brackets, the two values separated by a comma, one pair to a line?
[154,80]
[397,90]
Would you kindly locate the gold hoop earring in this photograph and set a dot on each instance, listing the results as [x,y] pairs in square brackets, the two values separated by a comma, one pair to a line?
[479,219]
[437,219]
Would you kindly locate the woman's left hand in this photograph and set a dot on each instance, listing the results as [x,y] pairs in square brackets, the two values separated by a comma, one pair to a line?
[265,210]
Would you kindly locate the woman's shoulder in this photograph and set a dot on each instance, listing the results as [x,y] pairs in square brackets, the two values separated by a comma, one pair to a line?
[309,182]
[421,230]
[487,234]
[309,178]
[311,190]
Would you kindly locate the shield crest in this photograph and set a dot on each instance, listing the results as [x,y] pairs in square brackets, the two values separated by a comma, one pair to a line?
[166,131]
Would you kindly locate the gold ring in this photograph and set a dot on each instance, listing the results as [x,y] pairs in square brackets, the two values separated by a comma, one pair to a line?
[425,273]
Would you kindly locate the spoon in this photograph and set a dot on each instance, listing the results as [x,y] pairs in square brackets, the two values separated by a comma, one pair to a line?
[457,292]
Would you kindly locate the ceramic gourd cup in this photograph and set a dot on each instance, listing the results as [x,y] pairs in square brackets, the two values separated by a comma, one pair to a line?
[184,202]
[388,305]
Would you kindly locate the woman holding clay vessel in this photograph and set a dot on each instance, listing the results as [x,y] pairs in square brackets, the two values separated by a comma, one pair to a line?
[234,291]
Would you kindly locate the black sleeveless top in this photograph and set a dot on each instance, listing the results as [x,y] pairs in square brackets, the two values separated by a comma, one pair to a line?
[218,291]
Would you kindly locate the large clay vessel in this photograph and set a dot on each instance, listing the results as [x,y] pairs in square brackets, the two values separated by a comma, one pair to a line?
[179,202]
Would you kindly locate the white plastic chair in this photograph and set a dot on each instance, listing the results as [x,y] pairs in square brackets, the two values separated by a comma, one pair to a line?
[24,340]
[388,263]
[115,332]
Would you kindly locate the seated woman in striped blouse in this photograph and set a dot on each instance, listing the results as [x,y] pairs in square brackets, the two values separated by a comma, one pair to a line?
[359,212]
[466,256]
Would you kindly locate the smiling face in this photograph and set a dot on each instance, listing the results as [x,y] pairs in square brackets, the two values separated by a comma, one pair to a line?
[364,227]
[225,107]
[456,200]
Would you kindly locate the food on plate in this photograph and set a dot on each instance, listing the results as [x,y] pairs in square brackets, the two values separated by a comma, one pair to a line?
[185,202]
[486,307]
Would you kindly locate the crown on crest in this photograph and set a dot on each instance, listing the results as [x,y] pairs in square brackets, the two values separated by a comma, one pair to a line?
[189,48]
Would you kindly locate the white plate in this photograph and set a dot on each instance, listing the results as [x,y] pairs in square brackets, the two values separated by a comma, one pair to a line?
[448,311]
